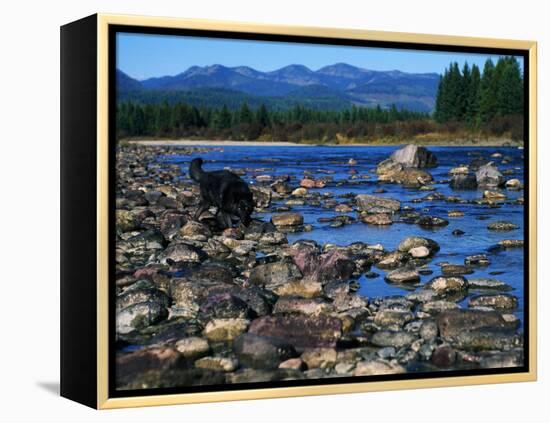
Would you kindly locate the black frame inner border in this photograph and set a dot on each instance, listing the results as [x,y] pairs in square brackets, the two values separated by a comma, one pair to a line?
[112,32]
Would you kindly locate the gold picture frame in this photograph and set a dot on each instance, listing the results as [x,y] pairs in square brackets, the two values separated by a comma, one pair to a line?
[102,22]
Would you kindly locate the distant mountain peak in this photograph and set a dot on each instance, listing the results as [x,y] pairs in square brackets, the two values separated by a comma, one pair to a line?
[341,81]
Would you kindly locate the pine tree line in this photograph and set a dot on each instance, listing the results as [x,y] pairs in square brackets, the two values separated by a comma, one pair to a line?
[244,123]
[477,98]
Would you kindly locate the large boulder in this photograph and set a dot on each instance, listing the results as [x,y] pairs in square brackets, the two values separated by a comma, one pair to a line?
[414,156]
[488,176]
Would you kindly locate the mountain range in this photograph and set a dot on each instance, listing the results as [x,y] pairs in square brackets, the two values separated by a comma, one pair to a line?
[336,86]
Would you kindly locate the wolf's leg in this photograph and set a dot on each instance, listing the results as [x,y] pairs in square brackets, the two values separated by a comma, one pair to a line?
[200,210]
[224,219]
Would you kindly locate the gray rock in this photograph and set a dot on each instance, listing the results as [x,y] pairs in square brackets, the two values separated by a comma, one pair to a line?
[414,156]
[502,226]
[497,301]
[139,316]
[453,322]
[182,253]
[463,182]
[489,284]
[369,203]
[487,339]
[415,241]
[216,363]
[403,275]
[446,285]
[225,330]
[488,176]
[397,339]
[193,347]
[308,306]
[378,367]
[262,352]
[275,274]
[429,329]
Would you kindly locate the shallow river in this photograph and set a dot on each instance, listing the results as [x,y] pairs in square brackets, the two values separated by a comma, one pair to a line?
[507,265]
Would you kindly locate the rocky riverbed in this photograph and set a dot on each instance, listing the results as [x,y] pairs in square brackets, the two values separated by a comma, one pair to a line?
[302,292]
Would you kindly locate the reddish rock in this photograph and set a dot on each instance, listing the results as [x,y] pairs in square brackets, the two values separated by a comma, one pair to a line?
[299,330]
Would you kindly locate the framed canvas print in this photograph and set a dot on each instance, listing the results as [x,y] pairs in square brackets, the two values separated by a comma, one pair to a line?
[255,211]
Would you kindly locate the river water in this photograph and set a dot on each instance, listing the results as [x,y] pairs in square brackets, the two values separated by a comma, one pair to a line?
[506,265]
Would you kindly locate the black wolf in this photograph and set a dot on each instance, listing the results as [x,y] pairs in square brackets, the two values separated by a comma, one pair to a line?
[224,190]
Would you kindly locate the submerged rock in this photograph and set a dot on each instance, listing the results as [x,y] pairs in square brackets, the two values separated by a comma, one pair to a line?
[380,219]
[432,221]
[502,226]
[455,270]
[403,275]
[488,284]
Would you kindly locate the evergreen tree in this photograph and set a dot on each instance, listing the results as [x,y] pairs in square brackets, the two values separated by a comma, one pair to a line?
[463,95]
[487,92]
[222,119]
[509,96]
[245,115]
[472,108]
[262,117]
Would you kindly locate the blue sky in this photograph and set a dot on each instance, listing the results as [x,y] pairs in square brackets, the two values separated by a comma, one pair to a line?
[142,56]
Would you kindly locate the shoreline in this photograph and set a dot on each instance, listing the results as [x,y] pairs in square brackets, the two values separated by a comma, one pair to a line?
[184,142]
